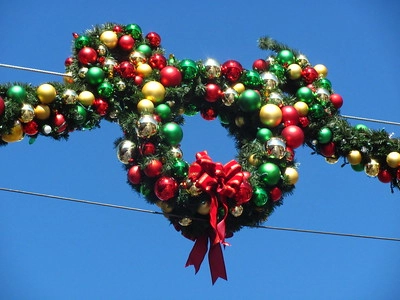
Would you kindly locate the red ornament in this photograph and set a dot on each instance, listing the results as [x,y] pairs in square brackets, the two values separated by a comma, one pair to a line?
[165,188]
[101,106]
[304,121]
[157,61]
[244,194]
[336,100]
[213,92]
[232,70]
[154,39]
[293,135]
[68,61]
[154,168]
[138,80]
[2,106]
[117,29]
[126,42]
[328,149]
[260,65]
[126,69]
[309,74]
[59,122]
[134,175]
[208,113]
[290,116]
[384,176]
[75,35]
[275,194]
[87,56]
[170,76]
[289,154]
[148,149]
[31,128]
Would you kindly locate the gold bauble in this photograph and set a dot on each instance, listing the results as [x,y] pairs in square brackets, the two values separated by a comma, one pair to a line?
[291,175]
[253,160]
[237,211]
[185,222]
[239,88]
[393,159]
[154,91]
[302,108]
[86,98]
[42,112]
[137,58]
[372,168]
[15,135]
[144,70]
[109,38]
[270,115]
[321,70]
[294,71]
[165,207]
[204,208]
[68,79]
[145,106]
[239,121]
[354,157]
[46,93]
[27,113]
[331,160]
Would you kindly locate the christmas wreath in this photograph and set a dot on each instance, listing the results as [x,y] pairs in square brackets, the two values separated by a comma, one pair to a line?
[119,74]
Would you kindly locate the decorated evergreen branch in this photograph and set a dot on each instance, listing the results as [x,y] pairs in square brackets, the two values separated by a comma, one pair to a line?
[283,102]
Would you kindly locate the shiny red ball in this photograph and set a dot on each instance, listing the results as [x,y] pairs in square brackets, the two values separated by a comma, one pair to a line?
[68,61]
[336,100]
[2,106]
[153,168]
[126,69]
[304,121]
[290,116]
[309,75]
[101,106]
[148,149]
[87,56]
[244,193]
[232,70]
[31,128]
[260,65]
[293,135]
[170,76]
[157,61]
[126,42]
[208,113]
[165,188]
[213,92]
[328,150]
[275,194]
[384,176]
[289,154]
[154,39]
[134,175]
[138,80]
[59,122]
[117,28]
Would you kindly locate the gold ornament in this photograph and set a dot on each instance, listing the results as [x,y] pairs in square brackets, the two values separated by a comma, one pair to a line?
[27,113]
[204,208]
[321,70]
[253,160]
[372,168]
[15,135]
[291,175]
[145,106]
[331,160]
[69,96]
[191,188]
[393,159]
[294,71]
[86,98]
[185,222]
[354,157]
[68,79]
[154,91]
[109,38]
[144,70]
[239,121]
[239,88]
[237,211]
[137,58]
[165,207]
[275,98]
[302,108]
[46,93]
[42,112]
[270,115]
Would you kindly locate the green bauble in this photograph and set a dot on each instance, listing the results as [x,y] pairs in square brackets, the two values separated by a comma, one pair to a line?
[285,57]
[305,94]
[361,127]
[80,114]
[358,168]
[180,168]
[164,111]
[269,173]
[17,93]
[188,68]
[172,132]
[324,135]
[105,89]
[251,79]
[317,111]
[95,76]
[278,70]
[134,30]
[81,41]
[260,196]
[324,83]
[249,100]
[263,135]
[145,49]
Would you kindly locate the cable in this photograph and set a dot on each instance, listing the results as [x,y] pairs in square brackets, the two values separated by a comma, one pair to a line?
[372,120]
[34,70]
[171,215]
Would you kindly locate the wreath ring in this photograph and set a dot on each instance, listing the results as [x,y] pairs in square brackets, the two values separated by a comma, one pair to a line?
[119,74]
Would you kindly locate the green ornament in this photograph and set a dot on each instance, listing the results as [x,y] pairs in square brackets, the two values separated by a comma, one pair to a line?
[145,49]
[81,41]
[188,68]
[361,127]
[285,57]
[134,30]
[278,70]
[263,135]
[324,83]
[105,89]
[180,168]
[305,94]
[172,132]
[17,93]
[80,114]
[249,100]
[251,79]
[95,76]
[260,196]
[358,168]
[324,135]
[269,173]
[163,110]
[317,111]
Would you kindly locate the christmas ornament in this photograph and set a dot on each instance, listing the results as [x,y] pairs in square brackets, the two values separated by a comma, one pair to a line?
[46,93]
[189,69]
[126,151]
[170,76]
[269,173]
[211,69]
[249,100]
[147,126]
[275,148]
[293,135]
[154,91]
[2,106]
[354,157]
[232,70]
[42,111]
[69,96]
[109,39]
[87,56]
[16,134]
[165,188]
[172,133]
[27,113]
[86,98]
[126,42]
[270,115]
[372,168]
[393,159]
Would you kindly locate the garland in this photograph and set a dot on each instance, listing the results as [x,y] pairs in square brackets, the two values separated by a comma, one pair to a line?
[119,74]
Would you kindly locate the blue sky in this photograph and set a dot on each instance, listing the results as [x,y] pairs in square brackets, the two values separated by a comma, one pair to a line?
[51,249]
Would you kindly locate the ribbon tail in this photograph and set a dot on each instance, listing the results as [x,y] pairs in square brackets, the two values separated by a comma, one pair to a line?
[198,253]
[217,264]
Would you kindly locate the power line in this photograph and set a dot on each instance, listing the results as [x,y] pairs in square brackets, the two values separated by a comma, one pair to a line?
[171,215]
[371,120]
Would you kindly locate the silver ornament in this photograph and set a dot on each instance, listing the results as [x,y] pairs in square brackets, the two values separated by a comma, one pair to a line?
[137,58]
[322,94]
[276,148]
[185,222]
[69,96]
[229,96]
[147,126]
[27,113]
[270,79]
[212,69]
[302,60]
[102,50]
[237,211]
[121,86]
[126,151]
[82,72]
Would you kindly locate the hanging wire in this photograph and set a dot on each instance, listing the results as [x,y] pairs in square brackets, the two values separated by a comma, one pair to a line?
[171,215]
[371,120]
